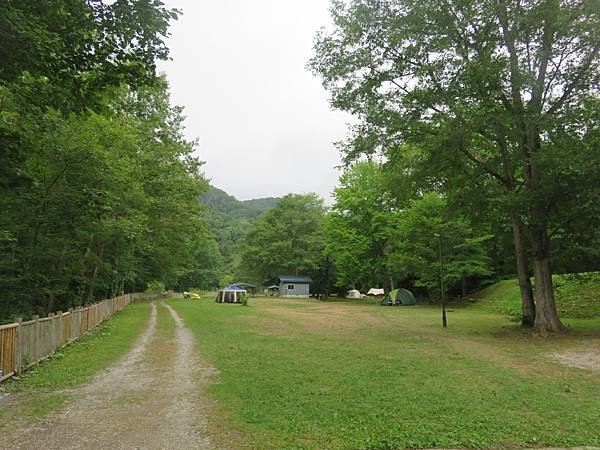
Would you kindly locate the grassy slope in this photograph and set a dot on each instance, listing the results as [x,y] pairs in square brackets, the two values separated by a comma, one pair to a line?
[577,296]
[352,375]
[40,390]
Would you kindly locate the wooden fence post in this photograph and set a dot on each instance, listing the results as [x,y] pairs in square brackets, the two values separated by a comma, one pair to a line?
[49,334]
[69,326]
[36,338]
[19,349]
[58,330]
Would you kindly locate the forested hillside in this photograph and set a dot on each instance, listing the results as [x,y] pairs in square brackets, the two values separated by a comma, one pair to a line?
[221,202]
[229,220]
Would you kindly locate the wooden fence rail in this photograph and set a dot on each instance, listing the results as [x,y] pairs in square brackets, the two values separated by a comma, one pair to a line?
[25,344]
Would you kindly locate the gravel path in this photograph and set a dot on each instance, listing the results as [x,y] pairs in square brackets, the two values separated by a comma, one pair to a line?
[149,400]
[583,356]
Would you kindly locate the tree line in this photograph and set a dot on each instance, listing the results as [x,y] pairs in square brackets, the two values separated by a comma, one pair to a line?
[365,240]
[485,115]
[99,190]
[492,104]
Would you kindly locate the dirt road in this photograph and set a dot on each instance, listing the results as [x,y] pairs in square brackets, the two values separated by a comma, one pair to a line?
[149,400]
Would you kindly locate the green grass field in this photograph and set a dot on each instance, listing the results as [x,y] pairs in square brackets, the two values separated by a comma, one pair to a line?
[309,374]
[301,374]
[42,390]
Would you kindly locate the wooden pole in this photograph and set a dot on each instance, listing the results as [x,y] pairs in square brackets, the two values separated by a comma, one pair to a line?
[19,349]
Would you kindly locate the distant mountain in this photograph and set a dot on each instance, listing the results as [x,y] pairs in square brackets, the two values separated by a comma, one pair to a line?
[230,219]
[261,204]
[221,202]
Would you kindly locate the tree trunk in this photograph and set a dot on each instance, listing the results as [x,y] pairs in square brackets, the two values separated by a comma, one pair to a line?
[546,315]
[386,286]
[463,286]
[50,307]
[527,302]
[90,293]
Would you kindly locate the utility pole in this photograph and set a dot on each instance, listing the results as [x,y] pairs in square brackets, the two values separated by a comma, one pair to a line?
[444,321]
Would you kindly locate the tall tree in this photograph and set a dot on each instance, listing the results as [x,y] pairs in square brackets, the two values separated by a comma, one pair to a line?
[63,53]
[425,229]
[289,238]
[98,188]
[492,87]
[103,202]
[359,228]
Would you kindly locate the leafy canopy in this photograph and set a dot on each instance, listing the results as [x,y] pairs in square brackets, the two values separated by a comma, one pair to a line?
[287,239]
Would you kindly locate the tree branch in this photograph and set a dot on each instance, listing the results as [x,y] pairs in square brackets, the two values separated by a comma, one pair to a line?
[573,86]
[483,166]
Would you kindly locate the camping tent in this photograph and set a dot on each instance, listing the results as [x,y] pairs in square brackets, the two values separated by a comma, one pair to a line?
[353,293]
[375,291]
[230,294]
[399,297]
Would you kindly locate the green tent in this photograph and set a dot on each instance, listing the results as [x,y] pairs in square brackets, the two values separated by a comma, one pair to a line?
[399,297]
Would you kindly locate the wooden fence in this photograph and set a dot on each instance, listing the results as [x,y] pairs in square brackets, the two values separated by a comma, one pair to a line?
[24,344]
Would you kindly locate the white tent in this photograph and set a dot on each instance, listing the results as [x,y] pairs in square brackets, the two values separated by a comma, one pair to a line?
[376,291]
[353,293]
[231,294]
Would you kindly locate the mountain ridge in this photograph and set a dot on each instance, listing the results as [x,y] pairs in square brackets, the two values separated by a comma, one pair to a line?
[229,220]
[221,202]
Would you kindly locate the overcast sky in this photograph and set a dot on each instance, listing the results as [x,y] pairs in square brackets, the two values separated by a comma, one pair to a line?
[263,121]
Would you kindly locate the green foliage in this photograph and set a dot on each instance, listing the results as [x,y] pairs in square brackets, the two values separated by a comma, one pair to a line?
[359,227]
[68,52]
[155,286]
[98,187]
[220,202]
[500,101]
[229,220]
[227,280]
[372,240]
[415,248]
[97,203]
[288,239]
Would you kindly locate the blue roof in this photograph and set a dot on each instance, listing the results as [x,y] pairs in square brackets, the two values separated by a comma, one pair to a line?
[233,288]
[298,279]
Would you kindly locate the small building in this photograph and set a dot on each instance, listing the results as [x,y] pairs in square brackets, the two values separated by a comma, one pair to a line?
[294,286]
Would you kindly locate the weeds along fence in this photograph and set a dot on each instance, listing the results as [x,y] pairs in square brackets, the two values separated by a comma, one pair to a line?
[25,344]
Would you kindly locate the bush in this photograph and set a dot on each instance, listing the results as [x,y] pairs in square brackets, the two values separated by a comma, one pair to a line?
[155,287]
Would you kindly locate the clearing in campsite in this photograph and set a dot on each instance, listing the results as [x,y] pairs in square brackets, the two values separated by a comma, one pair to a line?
[336,374]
